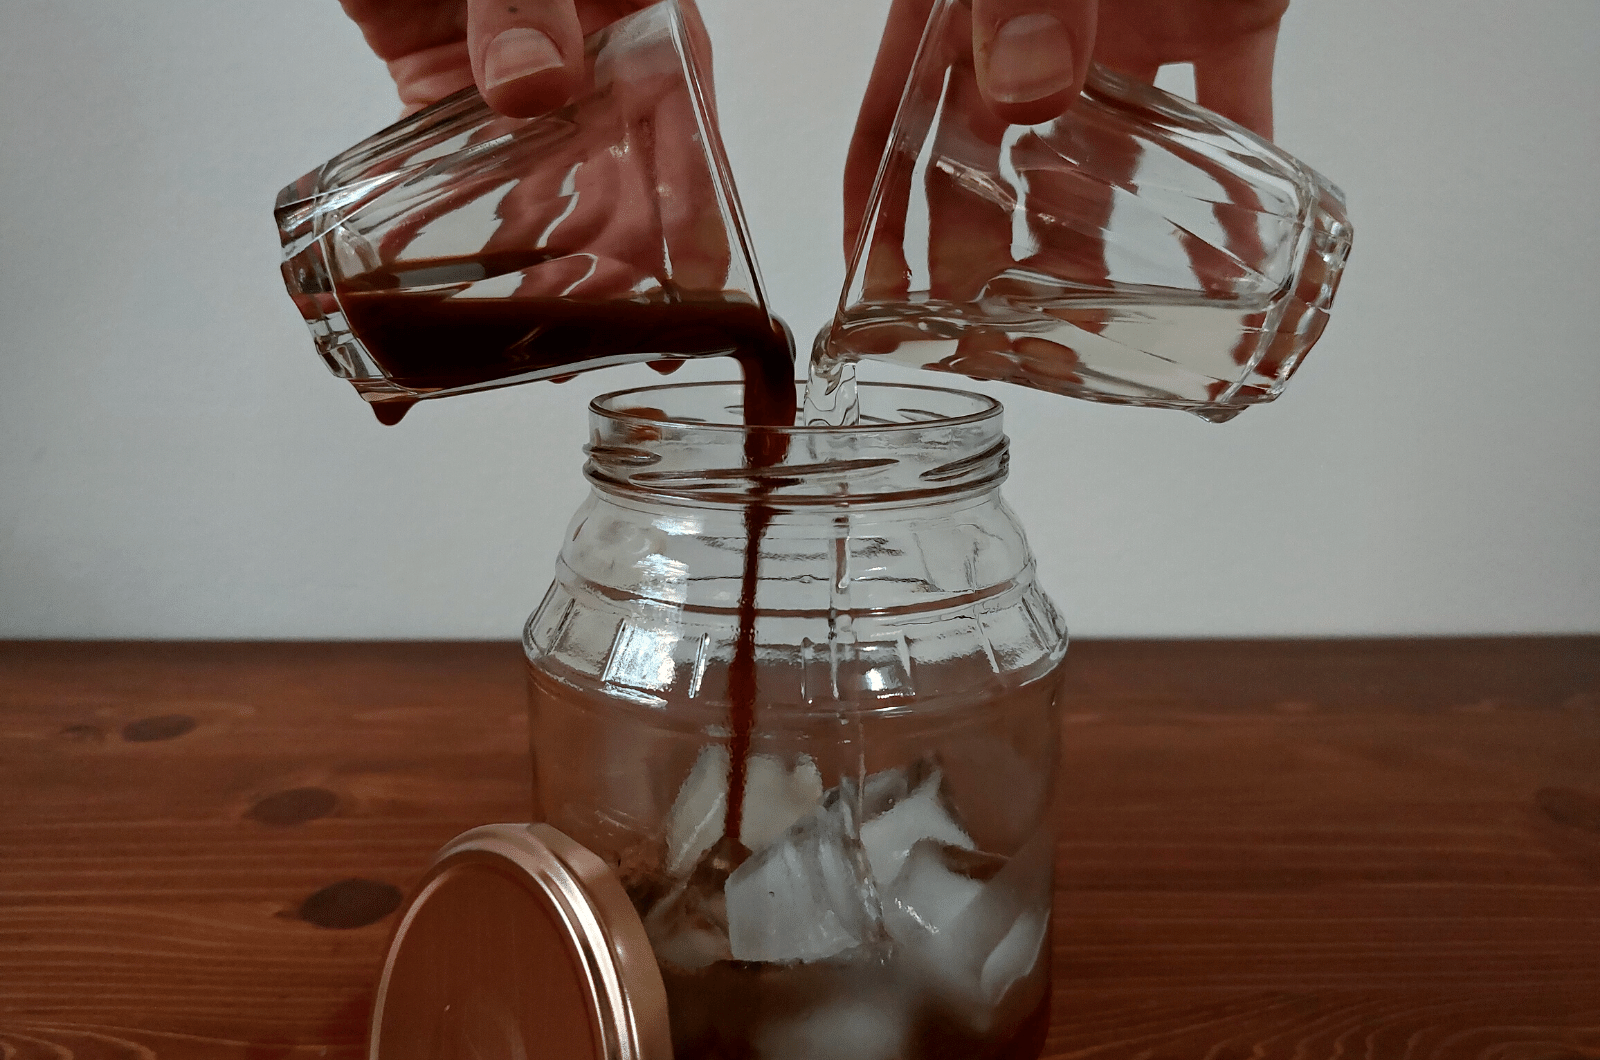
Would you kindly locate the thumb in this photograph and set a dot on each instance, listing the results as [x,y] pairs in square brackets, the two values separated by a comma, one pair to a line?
[527,55]
[1031,56]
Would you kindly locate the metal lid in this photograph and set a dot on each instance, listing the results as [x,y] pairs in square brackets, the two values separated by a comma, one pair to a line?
[520,943]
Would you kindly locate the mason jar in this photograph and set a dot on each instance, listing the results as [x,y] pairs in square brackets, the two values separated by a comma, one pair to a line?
[847,851]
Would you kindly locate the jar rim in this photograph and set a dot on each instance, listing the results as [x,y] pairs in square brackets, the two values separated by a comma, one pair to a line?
[688,442]
[984,408]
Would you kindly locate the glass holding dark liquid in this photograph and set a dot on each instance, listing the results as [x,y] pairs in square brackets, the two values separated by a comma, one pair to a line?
[461,250]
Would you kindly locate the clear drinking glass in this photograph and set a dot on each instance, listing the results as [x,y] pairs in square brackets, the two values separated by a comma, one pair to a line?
[460,249]
[883,889]
[1139,249]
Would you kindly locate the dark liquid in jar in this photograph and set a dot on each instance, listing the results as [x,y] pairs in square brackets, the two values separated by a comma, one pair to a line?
[718,1015]
[730,1009]
[415,323]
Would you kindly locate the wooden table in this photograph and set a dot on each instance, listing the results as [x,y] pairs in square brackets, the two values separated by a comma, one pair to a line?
[1275,851]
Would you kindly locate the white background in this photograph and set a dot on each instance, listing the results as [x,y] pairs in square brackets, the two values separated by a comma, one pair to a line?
[175,462]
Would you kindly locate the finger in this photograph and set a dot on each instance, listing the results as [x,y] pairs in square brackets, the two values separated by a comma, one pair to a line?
[424,77]
[1237,207]
[690,212]
[603,241]
[1071,188]
[697,53]
[901,34]
[557,208]
[1032,55]
[1236,80]
[595,15]
[395,30]
[425,47]
[632,233]
[695,214]
[970,199]
[527,55]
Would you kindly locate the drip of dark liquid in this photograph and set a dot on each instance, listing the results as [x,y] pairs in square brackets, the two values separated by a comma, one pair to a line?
[426,339]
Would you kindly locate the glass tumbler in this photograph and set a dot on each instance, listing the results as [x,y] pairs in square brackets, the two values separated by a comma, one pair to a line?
[460,249]
[1138,249]
[850,854]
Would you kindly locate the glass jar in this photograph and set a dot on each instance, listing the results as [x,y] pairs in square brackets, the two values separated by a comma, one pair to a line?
[882,889]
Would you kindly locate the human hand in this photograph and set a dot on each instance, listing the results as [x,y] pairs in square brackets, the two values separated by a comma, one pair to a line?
[601,201]
[615,197]
[525,56]
[1015,217]
[1030,59]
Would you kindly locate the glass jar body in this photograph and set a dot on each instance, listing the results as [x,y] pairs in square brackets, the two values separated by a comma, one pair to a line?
[885,887]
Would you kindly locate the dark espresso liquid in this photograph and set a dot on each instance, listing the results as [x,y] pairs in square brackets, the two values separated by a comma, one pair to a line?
[769,402]
[872,1003]
[427,333]
[426,336]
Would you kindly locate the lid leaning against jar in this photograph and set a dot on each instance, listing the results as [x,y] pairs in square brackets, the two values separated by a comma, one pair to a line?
[520,943]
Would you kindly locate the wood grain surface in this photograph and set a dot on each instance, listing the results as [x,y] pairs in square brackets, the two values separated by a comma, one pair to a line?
[1311,850]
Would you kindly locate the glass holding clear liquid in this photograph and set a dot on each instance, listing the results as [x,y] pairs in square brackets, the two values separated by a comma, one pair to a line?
[1138,249]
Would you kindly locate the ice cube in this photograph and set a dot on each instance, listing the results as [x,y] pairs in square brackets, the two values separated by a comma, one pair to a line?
[775,797]
[688,943]
[695,821]
[883,789]
[971,924]
[1015,957]
[809,895]
[850,1027]
[889,837]
[689,927]
[923,906]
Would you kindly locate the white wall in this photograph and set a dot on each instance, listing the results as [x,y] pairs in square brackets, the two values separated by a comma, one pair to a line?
[174,461]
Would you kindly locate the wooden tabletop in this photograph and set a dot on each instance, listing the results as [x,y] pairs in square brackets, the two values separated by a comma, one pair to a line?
[1302,850]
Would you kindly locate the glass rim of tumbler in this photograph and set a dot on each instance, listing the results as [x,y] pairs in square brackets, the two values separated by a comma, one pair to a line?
[944,444]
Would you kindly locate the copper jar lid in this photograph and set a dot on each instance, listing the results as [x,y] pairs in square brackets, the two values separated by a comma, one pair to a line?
[520,943]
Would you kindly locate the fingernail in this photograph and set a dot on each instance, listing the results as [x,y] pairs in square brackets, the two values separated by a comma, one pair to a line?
[1030,57]
[516,53]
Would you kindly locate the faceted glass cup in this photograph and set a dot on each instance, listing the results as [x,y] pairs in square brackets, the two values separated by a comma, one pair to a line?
[460,249]
[1138,249]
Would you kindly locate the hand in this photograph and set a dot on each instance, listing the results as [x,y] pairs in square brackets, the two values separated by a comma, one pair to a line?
[991,170]
[590,215]
[525,56]
[602,216]
[1030,58]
